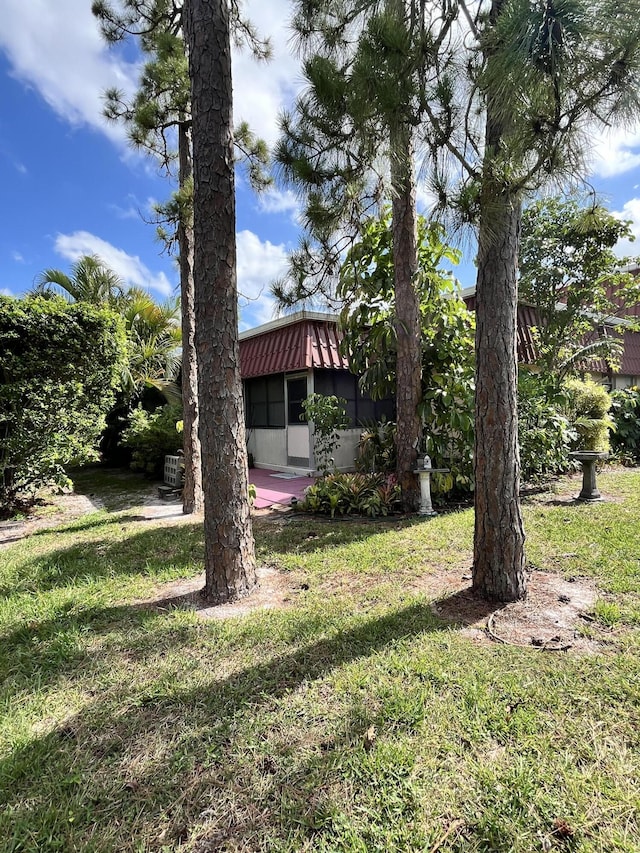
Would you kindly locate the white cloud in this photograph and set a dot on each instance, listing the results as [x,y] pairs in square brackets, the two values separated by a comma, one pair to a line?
[57,49]
[129,267]
[5,292]
[630,211]
[17,257]
[275,200]
[259,264]
[615,152]
[261,90]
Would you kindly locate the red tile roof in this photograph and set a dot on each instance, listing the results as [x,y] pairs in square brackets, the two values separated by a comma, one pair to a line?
[527,318]
[297,346]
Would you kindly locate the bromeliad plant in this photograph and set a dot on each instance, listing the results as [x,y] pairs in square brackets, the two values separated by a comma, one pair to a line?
[371,495]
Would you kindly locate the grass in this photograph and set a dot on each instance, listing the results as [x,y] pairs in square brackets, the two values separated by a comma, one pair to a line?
[353,720]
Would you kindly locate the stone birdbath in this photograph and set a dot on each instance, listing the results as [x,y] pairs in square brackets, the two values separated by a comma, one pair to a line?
[588,459]
[424,473]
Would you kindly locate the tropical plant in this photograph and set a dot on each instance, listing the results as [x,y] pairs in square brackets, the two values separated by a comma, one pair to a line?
[625,413]
[151,436]
[377,448]
[570,273]
[328,415]
[154,335]
[545,434]
[588,407]
[368,320]
[90,281]
[353,494]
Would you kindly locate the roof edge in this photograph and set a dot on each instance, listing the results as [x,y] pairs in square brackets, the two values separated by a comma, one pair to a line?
[288,320]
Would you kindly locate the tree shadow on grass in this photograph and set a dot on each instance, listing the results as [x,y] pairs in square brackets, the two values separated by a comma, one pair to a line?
[155,755]
[147,552]
[308,535]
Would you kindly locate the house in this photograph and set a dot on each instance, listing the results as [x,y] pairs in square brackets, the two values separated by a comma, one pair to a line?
[282,363]
[628,373]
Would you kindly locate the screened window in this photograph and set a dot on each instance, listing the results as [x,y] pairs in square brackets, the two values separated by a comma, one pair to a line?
[361,408]
[264,401]
[297,392]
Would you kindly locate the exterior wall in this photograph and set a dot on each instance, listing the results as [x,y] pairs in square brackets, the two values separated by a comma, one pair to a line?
[269,447]
[618,381]
[621,381]
[345,454]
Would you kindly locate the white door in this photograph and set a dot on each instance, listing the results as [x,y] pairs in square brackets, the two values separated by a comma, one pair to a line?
[298,444]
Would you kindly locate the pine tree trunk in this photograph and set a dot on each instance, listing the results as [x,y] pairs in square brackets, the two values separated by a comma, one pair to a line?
[499,557]
[192,500]
[407,322]
[498,544]
[229,547]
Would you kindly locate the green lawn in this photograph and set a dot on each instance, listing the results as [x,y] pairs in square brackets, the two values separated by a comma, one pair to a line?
[351,720]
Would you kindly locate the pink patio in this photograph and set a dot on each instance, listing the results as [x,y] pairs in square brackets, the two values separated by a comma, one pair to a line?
[275,487]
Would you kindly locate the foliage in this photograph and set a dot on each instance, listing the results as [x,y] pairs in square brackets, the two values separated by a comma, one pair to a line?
[544,433]
[377,448]
[59,368]
[152,436]
[370,337]
[153,330]
[328,415]
[155,336]
[625,413]
[91,281]
[588,407]
[569,272]
[347,494]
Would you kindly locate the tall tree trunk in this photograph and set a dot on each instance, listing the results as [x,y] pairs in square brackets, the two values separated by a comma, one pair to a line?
[192,500]
[498,550]
[498,544]
[229,546]
[407,321]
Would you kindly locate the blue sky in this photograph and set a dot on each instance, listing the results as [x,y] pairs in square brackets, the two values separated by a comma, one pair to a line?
[71,185]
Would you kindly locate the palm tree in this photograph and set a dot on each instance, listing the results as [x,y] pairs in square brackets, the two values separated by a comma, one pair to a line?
[154,335]
[153,330]
[91,280]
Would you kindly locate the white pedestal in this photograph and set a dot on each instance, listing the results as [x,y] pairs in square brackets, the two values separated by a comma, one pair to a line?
[426,506]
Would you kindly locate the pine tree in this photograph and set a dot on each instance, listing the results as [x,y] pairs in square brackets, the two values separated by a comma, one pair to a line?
[516,90]
[349,145]
[229,547]
[158,121]
[502,95]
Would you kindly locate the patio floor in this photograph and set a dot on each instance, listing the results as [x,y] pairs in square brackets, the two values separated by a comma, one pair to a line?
[274,488]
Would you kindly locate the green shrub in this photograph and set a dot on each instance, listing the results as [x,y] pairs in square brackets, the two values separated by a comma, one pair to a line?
[59,367]
[588,407]
[353,494]
[625,412]
[544,432]
[153,435]
[328,415]
[377,448]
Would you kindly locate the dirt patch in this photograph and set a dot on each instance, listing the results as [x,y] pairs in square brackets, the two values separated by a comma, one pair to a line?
[68,508]
[276,589]
[551,618]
